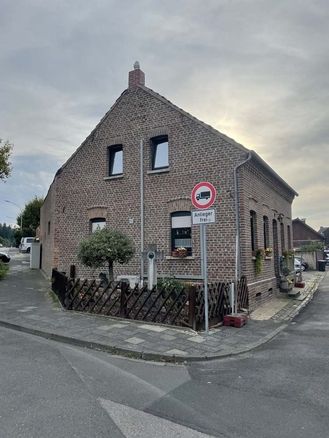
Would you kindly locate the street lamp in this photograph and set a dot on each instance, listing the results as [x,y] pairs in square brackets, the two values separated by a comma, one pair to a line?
[14,203]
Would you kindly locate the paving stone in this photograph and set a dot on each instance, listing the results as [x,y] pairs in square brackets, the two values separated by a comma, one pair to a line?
[197,339]
[175,352]
[153,328]
[168,337]
[134,341]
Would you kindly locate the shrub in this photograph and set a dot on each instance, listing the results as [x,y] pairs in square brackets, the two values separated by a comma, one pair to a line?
[3,270]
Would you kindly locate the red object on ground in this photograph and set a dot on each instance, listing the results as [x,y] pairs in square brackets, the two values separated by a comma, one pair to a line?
[300,284]
[237,320]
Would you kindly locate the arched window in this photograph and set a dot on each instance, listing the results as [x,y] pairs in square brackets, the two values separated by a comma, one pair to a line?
[289,237]
[253,230]
[266,232]
[282,236]
[181,234]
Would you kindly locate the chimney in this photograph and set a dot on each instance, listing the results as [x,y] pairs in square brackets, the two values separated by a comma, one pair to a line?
[136,76]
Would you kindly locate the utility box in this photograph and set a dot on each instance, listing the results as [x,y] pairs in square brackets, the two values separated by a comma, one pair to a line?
[35,255]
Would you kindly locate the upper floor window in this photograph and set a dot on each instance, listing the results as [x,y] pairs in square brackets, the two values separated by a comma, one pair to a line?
[115,160]
[266,232]
[181,235]
[159,152]
[253,230]
[97,224]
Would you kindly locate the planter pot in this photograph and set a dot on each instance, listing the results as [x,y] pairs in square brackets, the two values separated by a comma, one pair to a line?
[285,285]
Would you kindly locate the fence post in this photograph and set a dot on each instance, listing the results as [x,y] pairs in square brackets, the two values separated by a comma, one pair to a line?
[191,307]
[123,302]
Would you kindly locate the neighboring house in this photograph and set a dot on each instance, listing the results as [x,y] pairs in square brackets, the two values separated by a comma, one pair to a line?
[147,144]
[324,231]
[304,235]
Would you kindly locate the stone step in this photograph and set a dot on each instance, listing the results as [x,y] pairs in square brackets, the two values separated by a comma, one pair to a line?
[294,293]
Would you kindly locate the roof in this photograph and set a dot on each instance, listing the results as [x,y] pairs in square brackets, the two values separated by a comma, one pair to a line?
[307,227]
[254,155]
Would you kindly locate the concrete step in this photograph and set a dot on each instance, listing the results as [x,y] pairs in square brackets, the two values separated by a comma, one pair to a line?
[294,293]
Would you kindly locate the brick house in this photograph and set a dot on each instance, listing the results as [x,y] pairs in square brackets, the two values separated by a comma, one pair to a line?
[303,234]
[147,144]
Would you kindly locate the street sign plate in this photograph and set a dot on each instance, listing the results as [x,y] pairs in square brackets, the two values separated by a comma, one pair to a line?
[203,195]
[203,217]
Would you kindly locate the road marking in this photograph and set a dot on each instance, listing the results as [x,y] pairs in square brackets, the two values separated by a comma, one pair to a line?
[138,424]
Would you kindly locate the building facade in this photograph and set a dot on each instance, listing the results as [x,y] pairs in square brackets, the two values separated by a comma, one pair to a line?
[135,173]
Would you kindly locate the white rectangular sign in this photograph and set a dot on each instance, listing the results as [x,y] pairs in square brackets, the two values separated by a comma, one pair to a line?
[203,217]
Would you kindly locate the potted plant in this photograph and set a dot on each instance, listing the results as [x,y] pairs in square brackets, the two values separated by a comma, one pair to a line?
[259,258]
[179,252]
[268,252]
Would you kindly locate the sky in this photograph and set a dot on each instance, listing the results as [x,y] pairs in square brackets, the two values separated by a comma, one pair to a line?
[256,70]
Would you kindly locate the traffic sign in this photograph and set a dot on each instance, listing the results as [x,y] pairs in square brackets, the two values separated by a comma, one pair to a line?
[203,195]
[203,217]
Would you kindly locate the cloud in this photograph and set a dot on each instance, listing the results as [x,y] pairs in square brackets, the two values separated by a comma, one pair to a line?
[256,70]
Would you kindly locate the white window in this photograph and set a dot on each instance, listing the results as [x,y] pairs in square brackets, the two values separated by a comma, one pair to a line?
[159,152]
[97,224]
[181,235]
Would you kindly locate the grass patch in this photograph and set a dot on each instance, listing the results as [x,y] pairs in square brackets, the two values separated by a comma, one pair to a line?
[3,270]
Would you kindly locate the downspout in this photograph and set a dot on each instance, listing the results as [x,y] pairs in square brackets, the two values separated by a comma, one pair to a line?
[142,213]
[237,223]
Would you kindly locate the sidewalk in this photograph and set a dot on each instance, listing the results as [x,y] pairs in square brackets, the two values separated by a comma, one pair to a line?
[26,304]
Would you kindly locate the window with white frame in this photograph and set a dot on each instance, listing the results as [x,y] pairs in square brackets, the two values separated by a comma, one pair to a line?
[159,152]
[97,224]
[181,232]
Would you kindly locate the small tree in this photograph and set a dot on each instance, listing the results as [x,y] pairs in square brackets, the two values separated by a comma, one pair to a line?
[30,217]
[5,165]
[104,247]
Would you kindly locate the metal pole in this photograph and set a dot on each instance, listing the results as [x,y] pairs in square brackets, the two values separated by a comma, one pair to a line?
[201,250]
[206,317]
[142,212]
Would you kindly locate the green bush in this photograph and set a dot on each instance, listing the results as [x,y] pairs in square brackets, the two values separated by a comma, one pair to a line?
[3,270]
[104,247]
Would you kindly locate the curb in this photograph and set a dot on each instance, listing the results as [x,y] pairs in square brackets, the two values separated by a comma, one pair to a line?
[154,357]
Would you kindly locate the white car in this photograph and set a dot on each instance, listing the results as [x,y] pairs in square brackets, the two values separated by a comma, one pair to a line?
[25,245]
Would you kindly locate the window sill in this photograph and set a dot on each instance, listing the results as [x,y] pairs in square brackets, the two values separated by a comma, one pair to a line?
[165,170]
[106,178]
[268,258]
[179,258]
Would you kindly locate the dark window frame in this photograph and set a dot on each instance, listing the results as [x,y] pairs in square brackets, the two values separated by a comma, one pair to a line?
[95,220]
[253,230]
[112,151]
[182,233]
[282,237]
[266,232]
[154,143]
[289,236]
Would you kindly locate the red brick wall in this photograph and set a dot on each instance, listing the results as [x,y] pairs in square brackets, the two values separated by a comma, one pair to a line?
[261,193]
[196,153]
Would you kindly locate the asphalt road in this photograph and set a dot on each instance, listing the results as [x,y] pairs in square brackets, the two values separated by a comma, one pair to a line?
[280,390]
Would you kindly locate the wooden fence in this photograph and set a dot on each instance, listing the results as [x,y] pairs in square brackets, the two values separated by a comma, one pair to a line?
[183,306]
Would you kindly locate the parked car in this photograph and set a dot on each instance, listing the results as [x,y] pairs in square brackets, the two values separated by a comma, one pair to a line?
[302,261]
[4,257]
[25,245]
[298,265]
